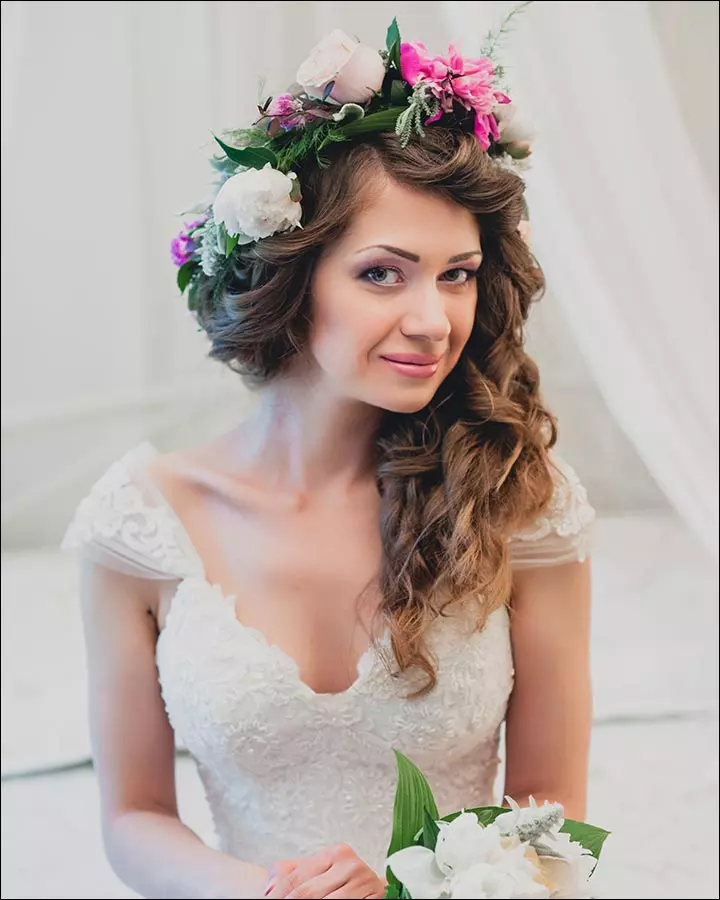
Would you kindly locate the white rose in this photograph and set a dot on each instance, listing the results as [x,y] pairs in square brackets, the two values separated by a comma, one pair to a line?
[256,203]
[515,125]
[356,70]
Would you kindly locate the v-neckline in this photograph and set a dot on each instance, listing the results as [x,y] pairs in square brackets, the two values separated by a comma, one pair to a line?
[199,573]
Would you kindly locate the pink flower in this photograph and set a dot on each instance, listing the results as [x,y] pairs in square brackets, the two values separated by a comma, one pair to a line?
[183,246]
[288,110]
[456,79]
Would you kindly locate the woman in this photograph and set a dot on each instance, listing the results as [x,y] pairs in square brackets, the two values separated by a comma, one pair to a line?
[387,554]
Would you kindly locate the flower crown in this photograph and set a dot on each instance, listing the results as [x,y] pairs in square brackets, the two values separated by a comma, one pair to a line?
[344,89]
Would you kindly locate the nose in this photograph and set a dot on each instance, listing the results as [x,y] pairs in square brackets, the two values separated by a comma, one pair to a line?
[426,317]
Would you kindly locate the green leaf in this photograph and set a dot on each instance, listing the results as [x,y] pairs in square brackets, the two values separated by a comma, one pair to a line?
[413,800]
[185,274]
[230,244]
[392,892]
[398,93]
[380,121]
[430,831]
[392,42]
[591,837]
[295,191]
[251,157]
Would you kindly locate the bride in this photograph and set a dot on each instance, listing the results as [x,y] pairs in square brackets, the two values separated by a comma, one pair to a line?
[388,553]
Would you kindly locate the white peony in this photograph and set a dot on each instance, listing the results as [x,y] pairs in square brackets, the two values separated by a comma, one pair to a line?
[356,70]
[469,861]
[256,203]
[567,869]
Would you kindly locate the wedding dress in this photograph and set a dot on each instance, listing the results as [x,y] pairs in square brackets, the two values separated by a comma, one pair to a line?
[287,770]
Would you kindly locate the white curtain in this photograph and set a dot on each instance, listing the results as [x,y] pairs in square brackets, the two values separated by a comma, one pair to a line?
[107,115]
[626,225]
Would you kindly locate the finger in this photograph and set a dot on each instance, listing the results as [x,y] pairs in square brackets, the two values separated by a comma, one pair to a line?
[320,886]
[306,868]
[359,889]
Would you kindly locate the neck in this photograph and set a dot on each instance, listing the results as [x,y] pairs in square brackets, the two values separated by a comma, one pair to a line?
[304,439]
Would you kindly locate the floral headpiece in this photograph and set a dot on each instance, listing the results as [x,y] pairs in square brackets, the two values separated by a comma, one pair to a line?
[344,89]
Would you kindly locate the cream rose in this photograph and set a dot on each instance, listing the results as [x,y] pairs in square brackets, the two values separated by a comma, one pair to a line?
[356,70]
[256,203]
[515,126]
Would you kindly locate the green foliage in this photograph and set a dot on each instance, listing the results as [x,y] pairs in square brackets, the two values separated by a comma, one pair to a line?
[293,147]
[493,38]
[251,157]
[392,42]
[185,274]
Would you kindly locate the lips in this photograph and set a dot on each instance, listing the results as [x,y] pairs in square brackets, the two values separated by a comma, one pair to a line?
[413,365]
[413,359]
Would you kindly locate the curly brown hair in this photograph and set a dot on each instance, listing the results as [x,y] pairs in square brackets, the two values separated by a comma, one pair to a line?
[461,475]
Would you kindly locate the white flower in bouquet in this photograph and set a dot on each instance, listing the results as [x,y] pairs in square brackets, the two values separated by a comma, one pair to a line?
[566,866]
[531,822]
[257,203]
[470,861]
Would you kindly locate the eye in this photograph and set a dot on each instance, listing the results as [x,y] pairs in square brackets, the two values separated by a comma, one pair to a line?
[459,276]
[382,275]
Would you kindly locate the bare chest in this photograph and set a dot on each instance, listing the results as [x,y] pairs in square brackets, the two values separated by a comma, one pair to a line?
[305,579]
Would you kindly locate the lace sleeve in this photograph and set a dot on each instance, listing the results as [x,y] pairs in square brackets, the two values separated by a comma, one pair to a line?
[562,534]
[125,525]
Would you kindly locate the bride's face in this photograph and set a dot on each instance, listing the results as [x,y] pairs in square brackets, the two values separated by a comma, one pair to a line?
[394,300]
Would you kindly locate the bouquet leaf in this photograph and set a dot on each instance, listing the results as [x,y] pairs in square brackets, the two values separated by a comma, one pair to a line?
[591,837]
[251,157]
[430,831]
[414,802]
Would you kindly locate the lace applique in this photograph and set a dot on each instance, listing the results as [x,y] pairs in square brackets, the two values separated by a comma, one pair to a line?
[569,515]
[117,517]
[265,743]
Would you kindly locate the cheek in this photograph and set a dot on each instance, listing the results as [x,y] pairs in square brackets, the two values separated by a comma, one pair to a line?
[345,328]
[462,320]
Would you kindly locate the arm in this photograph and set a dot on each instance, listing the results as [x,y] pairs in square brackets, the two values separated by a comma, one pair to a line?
[550,712]
[133,748]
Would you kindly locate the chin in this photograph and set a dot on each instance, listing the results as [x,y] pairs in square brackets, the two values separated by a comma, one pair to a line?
[407,404]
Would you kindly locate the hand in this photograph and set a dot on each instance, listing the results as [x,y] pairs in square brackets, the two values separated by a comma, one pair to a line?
[336,873]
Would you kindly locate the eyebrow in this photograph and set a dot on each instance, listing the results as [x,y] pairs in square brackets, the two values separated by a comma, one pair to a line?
[413,257]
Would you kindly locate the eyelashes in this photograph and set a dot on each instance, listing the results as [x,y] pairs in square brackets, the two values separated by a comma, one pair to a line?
[389,276]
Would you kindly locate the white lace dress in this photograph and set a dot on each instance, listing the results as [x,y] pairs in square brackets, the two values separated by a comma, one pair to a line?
[286,770]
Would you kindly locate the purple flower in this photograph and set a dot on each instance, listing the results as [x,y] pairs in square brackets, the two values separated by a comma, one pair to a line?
[183,246]
[289,111]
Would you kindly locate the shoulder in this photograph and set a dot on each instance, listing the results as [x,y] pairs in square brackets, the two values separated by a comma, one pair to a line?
[563,532]
[125,523]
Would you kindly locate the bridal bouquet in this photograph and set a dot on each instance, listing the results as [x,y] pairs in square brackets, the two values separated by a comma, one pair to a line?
[490,852]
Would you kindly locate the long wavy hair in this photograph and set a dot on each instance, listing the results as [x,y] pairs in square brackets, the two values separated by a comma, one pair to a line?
[458,477]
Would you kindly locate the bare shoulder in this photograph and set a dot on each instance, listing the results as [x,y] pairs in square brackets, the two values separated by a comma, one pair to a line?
[218,467]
